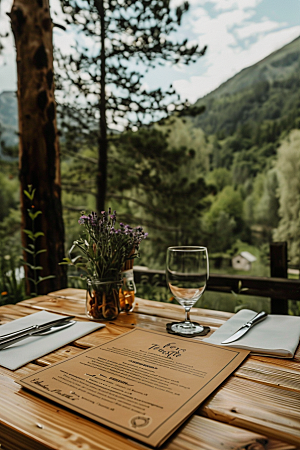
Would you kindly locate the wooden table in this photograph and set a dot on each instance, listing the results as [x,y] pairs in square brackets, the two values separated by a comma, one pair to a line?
[258,407]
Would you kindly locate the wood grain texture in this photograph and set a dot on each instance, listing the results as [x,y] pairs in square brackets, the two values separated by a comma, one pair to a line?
[37,424]
[257,408]
[270,374]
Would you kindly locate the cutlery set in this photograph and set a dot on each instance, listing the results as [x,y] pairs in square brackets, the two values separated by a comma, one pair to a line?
[36,330]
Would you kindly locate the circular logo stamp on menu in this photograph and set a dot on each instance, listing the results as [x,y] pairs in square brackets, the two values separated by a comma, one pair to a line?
[140,421]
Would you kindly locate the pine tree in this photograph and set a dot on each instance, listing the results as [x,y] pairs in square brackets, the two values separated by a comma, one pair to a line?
[128,38]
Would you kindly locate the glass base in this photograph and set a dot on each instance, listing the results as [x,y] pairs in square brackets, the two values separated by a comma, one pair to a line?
[187,328]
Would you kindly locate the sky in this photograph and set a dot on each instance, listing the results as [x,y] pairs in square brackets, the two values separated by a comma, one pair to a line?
[238,34]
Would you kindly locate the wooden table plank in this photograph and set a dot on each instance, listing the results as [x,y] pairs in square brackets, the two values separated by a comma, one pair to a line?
[270,374]
[13,312]
[256,407]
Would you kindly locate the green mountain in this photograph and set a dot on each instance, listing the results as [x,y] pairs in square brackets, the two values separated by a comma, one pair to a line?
[252,129]
[264,91]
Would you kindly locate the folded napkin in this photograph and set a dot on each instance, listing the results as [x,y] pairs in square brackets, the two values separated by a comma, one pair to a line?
[34,347]
[276,336]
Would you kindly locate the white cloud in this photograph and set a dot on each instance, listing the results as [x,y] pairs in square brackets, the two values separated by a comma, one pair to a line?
[221,5]
[216,32]
[257,28]
[270,43]
[230,61]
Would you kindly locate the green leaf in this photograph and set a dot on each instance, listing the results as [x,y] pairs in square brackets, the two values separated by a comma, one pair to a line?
[31,279]
[29,233]
[38,233]
[65,261]
[41,251]
[30,195]
[33,216]
[28,251]
[28,265]
[45,278]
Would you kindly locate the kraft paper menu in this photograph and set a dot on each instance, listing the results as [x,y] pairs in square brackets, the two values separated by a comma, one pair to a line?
[143,383]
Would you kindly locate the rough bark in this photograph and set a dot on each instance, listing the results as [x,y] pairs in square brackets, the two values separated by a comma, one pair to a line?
[39,159]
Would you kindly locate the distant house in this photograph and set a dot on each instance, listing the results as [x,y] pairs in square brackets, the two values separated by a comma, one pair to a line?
[243,261]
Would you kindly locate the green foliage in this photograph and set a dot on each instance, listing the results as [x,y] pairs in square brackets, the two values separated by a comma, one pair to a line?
[228,200]
[288,170]
[33,235]
[163,188]
[219,178]
[12,289]
[153,291]
[266,212]
[9,197]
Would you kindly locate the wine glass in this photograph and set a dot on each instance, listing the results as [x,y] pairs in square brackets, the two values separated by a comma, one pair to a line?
[187,273]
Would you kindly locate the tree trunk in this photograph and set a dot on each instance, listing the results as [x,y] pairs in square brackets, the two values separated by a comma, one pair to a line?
[102,142]
[39,159]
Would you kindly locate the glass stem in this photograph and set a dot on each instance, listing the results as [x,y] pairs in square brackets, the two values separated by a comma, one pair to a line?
[187,314]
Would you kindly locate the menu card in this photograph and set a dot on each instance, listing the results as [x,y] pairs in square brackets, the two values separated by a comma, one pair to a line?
[143,383]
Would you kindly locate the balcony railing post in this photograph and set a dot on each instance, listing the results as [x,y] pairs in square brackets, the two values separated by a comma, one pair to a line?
[278,266]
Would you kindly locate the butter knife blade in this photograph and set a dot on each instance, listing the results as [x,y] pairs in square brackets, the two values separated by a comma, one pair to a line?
[35,328]
[246,327]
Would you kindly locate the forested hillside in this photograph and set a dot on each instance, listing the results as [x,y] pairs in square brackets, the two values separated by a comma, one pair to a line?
[252,122]
[260,92]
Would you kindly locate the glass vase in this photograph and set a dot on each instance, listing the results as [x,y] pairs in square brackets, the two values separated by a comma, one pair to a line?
[102,299]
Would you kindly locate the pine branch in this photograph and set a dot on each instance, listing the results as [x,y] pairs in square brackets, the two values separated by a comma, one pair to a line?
[146,206]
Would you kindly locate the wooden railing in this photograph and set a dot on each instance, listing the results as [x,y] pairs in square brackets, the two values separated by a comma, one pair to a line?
[278,289]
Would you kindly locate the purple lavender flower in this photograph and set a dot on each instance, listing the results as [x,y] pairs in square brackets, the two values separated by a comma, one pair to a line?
[105,247]
[82,219]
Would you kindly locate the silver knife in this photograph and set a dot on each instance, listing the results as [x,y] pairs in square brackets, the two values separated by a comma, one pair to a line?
[246,327]
[32,329]
[50,329]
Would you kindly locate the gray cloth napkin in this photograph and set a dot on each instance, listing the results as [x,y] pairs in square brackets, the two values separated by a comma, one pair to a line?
[276,336]
[34,347]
